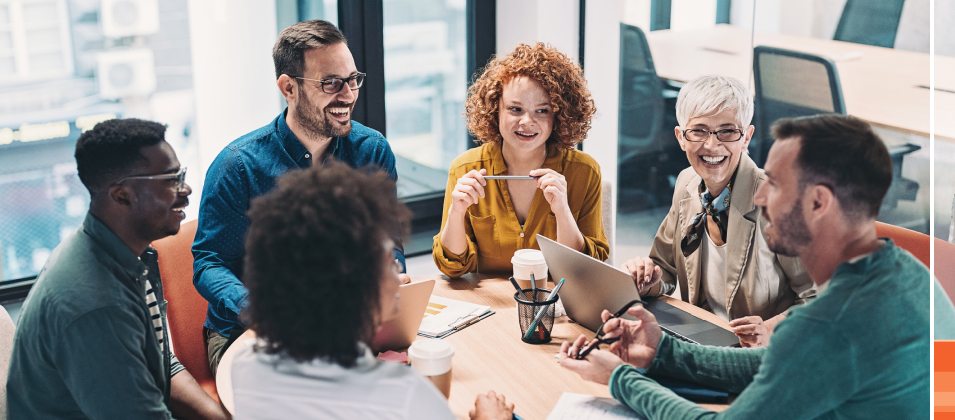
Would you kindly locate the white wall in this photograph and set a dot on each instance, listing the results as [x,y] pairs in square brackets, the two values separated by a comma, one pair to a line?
[555,22]
[233,74]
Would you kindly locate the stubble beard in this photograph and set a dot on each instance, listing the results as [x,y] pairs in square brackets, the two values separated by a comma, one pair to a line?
[316,122]
[791,232]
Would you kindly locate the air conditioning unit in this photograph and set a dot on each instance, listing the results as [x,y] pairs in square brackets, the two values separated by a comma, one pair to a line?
[129,17]
[125,73]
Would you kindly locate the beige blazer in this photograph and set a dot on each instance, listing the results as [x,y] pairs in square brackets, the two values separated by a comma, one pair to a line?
[747,292]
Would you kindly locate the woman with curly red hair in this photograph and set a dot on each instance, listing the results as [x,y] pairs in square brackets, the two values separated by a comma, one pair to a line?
[528,110]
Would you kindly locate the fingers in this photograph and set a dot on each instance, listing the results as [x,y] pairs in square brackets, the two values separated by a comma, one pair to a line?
[747,330]
[748,340]
[405,279]
[746,320]
[605,315]
[649,269]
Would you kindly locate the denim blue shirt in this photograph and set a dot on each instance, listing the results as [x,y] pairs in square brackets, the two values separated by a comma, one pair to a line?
[247,168]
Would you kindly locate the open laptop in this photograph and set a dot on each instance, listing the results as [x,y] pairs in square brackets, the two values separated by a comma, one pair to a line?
[399,332]
[590,286]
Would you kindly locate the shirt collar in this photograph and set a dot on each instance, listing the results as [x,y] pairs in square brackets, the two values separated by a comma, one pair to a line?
[554,159]
[114,247]
[294,147]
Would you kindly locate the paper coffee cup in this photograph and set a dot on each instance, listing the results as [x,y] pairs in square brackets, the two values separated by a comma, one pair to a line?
[525,261]
[432,359]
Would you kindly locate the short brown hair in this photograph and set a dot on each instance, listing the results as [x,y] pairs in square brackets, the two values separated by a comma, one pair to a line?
[562,79]
[313,260]
[288,54]
[844,154]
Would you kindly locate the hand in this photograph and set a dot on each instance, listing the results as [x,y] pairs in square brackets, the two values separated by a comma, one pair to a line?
[491,406]
[752,331]
[554,186]
[405,279]
[644,272]
[468,190]
[638,339]
[596,367]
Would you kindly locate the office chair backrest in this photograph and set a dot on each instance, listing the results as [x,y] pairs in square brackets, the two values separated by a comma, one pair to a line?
[641,93]
[870,22]
[6,348]
[606,198]
[187,309]
[916,243]
[791,84]
[945,266]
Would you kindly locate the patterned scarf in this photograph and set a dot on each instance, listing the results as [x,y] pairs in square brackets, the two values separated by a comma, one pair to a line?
[712,207]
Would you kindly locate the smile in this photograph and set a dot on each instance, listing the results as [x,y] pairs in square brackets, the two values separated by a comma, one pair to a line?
[340,113]
[525,135]
[713,160]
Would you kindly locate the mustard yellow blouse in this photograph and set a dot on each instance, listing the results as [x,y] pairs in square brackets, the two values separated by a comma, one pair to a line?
[491,225]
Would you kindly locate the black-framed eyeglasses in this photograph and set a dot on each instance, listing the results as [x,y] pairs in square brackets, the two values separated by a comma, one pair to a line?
[599,336]
[726,135]
[334,85]
[178,177]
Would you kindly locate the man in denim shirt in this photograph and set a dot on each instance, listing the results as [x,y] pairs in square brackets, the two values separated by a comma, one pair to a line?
[317,76]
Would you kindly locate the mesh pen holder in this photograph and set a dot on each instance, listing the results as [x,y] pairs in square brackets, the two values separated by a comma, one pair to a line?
[528,310]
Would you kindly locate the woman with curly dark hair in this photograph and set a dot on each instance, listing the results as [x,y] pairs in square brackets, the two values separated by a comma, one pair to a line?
[322,278]
[528,110]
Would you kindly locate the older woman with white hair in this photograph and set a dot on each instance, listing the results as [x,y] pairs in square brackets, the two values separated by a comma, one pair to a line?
[711,241]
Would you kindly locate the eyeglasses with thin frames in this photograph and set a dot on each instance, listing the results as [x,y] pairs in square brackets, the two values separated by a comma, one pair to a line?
[599,336]
[179,177]
[726,135]
[333,85]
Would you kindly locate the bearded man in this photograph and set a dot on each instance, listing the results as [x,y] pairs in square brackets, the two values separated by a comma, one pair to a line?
[316,73]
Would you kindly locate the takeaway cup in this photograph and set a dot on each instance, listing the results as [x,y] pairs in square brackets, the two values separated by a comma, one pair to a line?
[432,359]
[525,261]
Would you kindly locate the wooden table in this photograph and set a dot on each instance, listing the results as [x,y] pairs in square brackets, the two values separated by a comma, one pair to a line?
[490,355]
[884,86]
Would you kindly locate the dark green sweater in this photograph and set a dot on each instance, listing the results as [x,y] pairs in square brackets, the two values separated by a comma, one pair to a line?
[859,351]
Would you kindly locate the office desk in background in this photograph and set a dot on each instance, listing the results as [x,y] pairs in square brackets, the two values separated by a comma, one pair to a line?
[884,86]
[489,355]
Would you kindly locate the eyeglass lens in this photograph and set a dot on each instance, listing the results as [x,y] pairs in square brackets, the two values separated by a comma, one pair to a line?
[721,135]
[334,85]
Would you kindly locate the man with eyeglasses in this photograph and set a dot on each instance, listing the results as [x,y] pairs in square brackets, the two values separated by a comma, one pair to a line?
[712,241]
[92,339]
[316,74]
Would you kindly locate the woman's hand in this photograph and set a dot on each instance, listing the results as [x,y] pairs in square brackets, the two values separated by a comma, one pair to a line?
[555,190]
[645,273]
[468,190]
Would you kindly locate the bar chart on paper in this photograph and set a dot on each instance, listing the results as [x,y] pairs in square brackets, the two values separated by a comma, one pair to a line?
[944,380]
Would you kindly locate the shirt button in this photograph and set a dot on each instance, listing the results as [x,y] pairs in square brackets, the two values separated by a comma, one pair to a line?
[145,272]
[522,234]
[308,156]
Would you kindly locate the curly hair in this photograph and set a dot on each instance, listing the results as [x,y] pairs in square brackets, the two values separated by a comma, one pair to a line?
[562,79]
[111,150]
[313,260]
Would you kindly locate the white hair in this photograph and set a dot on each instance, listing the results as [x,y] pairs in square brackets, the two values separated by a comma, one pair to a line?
[710,95]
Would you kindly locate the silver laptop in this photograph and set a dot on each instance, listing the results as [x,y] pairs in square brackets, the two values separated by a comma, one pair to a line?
[591,285]
[398,332]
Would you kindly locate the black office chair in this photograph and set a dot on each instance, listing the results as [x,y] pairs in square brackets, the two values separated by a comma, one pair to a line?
[870,22]
[645,148]
[795,84]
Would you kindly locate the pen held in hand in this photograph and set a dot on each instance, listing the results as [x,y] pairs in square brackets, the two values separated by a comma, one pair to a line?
[510,177]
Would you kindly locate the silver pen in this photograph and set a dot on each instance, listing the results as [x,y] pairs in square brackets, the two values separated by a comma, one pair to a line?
[510,177]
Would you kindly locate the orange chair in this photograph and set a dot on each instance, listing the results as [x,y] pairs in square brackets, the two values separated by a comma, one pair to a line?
[916,243]
[187,309]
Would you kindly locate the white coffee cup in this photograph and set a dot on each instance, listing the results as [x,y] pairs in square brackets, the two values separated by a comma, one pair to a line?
[432,359]
[526,261]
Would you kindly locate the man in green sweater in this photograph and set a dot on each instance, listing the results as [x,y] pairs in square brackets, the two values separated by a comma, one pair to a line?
[860,350]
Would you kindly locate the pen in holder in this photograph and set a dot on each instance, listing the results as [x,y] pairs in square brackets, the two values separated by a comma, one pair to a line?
[542,311]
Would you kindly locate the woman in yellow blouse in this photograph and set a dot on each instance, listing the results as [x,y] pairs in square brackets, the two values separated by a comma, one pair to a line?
[529,110]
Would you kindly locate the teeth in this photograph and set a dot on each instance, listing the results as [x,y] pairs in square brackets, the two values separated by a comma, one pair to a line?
[338,111]
[525,134]
[713,160]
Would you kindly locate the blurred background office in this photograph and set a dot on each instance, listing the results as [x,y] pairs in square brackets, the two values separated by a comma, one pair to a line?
[204,68]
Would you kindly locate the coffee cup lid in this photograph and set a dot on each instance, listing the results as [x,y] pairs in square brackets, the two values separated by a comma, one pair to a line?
[431,348]
[528,257]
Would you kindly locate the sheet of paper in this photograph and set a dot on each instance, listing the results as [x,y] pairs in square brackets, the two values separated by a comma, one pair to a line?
[443,314]
[572,406]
